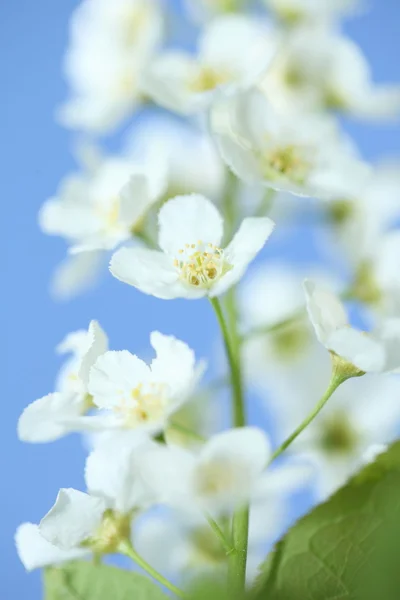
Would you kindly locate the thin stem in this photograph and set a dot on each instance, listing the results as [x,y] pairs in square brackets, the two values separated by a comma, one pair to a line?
[226,544]
[127,549]
[337,378]
[240,523]
[239,416]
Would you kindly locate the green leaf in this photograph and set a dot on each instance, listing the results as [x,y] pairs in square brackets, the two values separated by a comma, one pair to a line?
[346,548]
[86,581]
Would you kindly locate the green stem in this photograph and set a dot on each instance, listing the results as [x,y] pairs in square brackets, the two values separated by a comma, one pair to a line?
[239,416]
[143,235]
[226,544]
[339,375]
[127,549]
[240,523]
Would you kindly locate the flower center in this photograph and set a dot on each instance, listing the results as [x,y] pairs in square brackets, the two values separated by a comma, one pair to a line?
[286,162]
[208,79]
[338,436]
[201,264]
[208,548]
[114,528]
[290,342]
[146,403]
[215,478]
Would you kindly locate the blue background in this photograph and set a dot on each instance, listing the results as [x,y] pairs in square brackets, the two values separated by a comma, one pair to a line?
[35,155]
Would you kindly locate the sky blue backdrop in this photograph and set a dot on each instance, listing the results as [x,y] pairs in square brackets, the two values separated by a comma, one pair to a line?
[35,155]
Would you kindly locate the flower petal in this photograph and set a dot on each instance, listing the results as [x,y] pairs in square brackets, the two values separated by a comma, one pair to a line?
[188,220]
[174,363]
[112,472]
[359,348]
[326,312]
[35,552]
[151,272]
[114,376]
[73,519]
[98,345]
[77,274]
[248,241]
[45,420]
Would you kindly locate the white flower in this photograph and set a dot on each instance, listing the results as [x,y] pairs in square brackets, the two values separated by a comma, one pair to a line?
[35,552]
[110,46]
[320,69]
[192,264]
[271,295]
[375,352]
[362,416]
[47,419]
[303,154]
[204,10]
[140,396]
[226,472]
[296,11]
[97,521]
[233,51]
[187,151]
[100,209]
[194,548]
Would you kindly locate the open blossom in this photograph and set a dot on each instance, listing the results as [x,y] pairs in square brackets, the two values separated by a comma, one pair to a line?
[320,69]
[97,210]
[298,11]
[47,419]
[81,523]
[226,472]
[233,51]
[134,395]
[194,548]
[110,46]
[192,263]
[378,351]
[303,154]
[187,151]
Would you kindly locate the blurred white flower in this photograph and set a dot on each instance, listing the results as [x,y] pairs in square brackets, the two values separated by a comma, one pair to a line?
[110,45]
[377,352]
[98,210]
[320,69]
[80,523]
[77,274]
[192,162]
[203,10]
[194,547]
[138,396]
[362,416]
[225,472]
[192,264]
[303,154]
[294,12]
[47,419]
[273,294]
[233,52]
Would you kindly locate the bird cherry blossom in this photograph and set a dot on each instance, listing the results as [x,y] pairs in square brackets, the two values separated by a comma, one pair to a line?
[192,263]
[47,419]
[304,156]
[294,12]
[374,352]
[233,51]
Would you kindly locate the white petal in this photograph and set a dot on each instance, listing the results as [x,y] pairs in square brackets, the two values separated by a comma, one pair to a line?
[35,552]
[168,79]
[284,480]
[73,519]
[175,362]
[188,220]
[152,272]
[46,419]
[114,376]
[112,472]
[326,312]
[248,241]
[136,199]
[359,348]
[76,274]
[98,341]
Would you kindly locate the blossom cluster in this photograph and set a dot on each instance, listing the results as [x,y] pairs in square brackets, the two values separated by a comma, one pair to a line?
[243,143]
